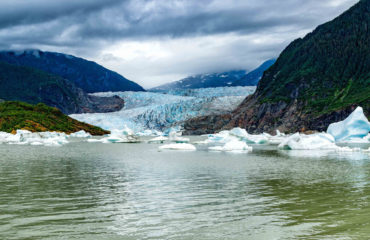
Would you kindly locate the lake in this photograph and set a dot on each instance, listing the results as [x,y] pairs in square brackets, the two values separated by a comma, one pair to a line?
[132,191]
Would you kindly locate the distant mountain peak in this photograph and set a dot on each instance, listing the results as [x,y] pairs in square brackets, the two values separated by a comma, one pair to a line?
[220,79]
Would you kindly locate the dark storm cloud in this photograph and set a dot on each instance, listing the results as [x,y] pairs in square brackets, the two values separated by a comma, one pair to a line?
[243,32]
[26,12]
[75,22]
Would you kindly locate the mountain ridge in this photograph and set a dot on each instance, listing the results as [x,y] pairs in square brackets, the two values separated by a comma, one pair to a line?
[224,79]
[316,80]
[87,75]
[19,83]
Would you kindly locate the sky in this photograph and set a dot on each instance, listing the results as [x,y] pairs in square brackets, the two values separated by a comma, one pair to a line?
[157,41]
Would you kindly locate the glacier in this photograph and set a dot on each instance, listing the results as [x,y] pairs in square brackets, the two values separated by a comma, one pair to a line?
[159,111]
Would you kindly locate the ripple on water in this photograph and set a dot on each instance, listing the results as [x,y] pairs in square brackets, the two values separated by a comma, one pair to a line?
[119,191]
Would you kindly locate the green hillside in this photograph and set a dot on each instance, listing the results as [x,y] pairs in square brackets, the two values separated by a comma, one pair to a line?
[40,118]
[327,70]
[317,80]
[26,84]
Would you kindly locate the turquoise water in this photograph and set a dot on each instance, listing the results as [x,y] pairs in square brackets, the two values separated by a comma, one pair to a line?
[132,191]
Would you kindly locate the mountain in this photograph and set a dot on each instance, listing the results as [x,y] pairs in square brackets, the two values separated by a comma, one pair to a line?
[225,79]
[40,118]
[202,81]
[18,83]
[315,81]
[87,75]
[252,78]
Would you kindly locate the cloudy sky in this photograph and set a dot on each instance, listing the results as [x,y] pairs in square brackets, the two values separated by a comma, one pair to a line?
[157,41]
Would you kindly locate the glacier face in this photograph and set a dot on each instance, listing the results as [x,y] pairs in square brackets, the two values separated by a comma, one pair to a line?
[149,110]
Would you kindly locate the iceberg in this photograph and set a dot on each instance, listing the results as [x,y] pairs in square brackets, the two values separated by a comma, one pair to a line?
[249,138]
[125,135]
[277,139]
[308,142]
[160,139]
[355,126]
[176,137]
[80,134]
[237,134]
[148,132]
[178,146]
[232,146]
[25,137]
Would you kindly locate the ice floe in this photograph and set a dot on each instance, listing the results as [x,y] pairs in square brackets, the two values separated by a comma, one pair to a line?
[232,146]
[160,139]
[80,134]
[125,135]
[299,141]
[176,137]
[149,132]
[24,137]
[243,135]
[355,126]
[178,146]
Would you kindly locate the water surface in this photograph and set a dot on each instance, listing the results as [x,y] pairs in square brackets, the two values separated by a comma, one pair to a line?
[132,191]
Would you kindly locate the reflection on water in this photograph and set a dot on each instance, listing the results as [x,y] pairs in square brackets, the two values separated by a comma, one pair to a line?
[132,191]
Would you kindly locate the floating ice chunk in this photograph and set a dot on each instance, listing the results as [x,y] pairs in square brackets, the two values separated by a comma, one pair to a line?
[367,137]
[176,137]
[160,139]
[348,149]
[275,140]
[93,140]
[125,135]
[232,146]
[221,137]
[167,131]
[308,142]
[238,132]
[80,134]
[355,125]
[24,137]
[249,138]
[178,146]
[149,132]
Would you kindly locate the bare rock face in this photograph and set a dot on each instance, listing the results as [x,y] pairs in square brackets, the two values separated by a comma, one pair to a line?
[71,99]
[206,124]
[105,104]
